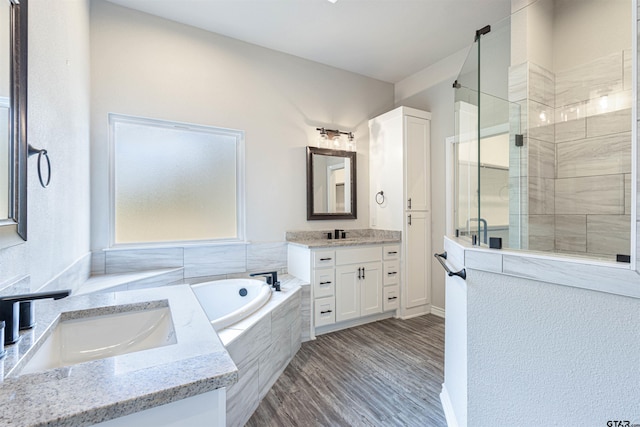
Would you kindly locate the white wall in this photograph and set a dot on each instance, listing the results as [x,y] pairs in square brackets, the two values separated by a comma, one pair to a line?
[583,34]
[545,354]
[147,66]
[58,120]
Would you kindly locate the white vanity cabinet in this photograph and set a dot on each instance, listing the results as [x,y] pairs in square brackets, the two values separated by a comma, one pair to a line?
[400,200]
[358,290]
[349,285]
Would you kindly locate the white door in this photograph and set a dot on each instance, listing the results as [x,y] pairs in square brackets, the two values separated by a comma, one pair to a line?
[417,260]
[371,289]
[347,292]
[416,141]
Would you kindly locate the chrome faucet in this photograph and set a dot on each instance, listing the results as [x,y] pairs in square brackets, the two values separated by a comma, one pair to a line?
[17,311]
[271,277]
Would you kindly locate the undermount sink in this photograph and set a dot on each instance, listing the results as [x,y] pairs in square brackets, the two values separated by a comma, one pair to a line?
[79,340]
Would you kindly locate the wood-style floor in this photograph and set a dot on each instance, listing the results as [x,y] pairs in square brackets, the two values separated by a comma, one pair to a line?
[387,373]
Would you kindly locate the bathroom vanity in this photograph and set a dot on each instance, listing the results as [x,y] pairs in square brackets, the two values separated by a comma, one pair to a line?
[353,281]
[178,377]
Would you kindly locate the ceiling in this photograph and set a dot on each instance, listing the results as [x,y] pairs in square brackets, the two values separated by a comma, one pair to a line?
[384,39]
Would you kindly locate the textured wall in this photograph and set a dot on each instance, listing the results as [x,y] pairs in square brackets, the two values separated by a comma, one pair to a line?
[58,120]
[544,354]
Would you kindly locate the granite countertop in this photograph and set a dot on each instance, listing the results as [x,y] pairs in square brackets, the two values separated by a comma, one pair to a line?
[99,390]
[357,237]
[358,241]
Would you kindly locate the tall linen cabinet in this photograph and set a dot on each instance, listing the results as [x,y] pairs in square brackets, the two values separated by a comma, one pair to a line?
[400,199]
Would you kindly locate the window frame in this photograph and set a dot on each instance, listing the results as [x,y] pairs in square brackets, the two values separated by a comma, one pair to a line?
[239,135]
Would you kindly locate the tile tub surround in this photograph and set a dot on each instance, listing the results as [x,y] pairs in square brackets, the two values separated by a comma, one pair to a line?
[105,389]
[262,346]
[196,260]
[318,239]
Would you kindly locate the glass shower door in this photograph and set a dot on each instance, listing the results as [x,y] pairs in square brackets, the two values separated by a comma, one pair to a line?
[488,145]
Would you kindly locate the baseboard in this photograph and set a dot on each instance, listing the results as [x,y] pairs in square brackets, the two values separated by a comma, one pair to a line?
[351,323]
[408,313]
[437,311]
[448,408]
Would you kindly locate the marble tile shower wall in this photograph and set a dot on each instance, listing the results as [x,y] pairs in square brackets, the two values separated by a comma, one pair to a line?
[198,263]
[576,168]
[593,156]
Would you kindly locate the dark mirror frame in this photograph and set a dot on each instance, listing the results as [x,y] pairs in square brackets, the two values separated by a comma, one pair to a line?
[351,155]
[18,116]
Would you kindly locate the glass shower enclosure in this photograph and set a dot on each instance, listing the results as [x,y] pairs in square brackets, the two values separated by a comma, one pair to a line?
[543,131]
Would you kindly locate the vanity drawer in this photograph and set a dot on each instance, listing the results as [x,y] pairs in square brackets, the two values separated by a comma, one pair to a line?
[324,259]
[324,282]
[390,298]
[391,252]
[325,311]
[391,272]
[358,255]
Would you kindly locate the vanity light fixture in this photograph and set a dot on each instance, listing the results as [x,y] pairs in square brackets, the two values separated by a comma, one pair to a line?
[335,135]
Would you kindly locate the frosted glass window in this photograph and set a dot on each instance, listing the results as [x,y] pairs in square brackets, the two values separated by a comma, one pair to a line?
[174,182]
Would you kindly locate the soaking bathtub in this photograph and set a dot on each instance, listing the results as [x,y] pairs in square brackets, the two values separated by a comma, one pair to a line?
[228,301]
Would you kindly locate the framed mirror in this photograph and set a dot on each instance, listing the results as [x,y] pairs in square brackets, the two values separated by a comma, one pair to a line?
[331,184]
[13,115]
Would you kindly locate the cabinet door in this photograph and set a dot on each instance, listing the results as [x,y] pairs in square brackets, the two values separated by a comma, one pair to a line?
[347,292]
[371,289]
[416,279]
[416,140]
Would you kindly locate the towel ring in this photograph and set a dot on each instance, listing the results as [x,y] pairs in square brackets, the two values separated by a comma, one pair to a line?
[42,153]
[380,197]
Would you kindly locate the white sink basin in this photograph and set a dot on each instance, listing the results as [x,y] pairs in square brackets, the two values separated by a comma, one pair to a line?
[98,337]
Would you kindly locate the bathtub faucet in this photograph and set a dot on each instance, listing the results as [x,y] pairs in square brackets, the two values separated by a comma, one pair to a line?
[272,278]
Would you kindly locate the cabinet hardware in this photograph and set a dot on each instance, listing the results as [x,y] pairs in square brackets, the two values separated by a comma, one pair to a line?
[392,298]
[325,259]
[325,283]
[359,273]
[409,219]
[363,273]
[391,273]
[409,203]
[392,252]
[326,311]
